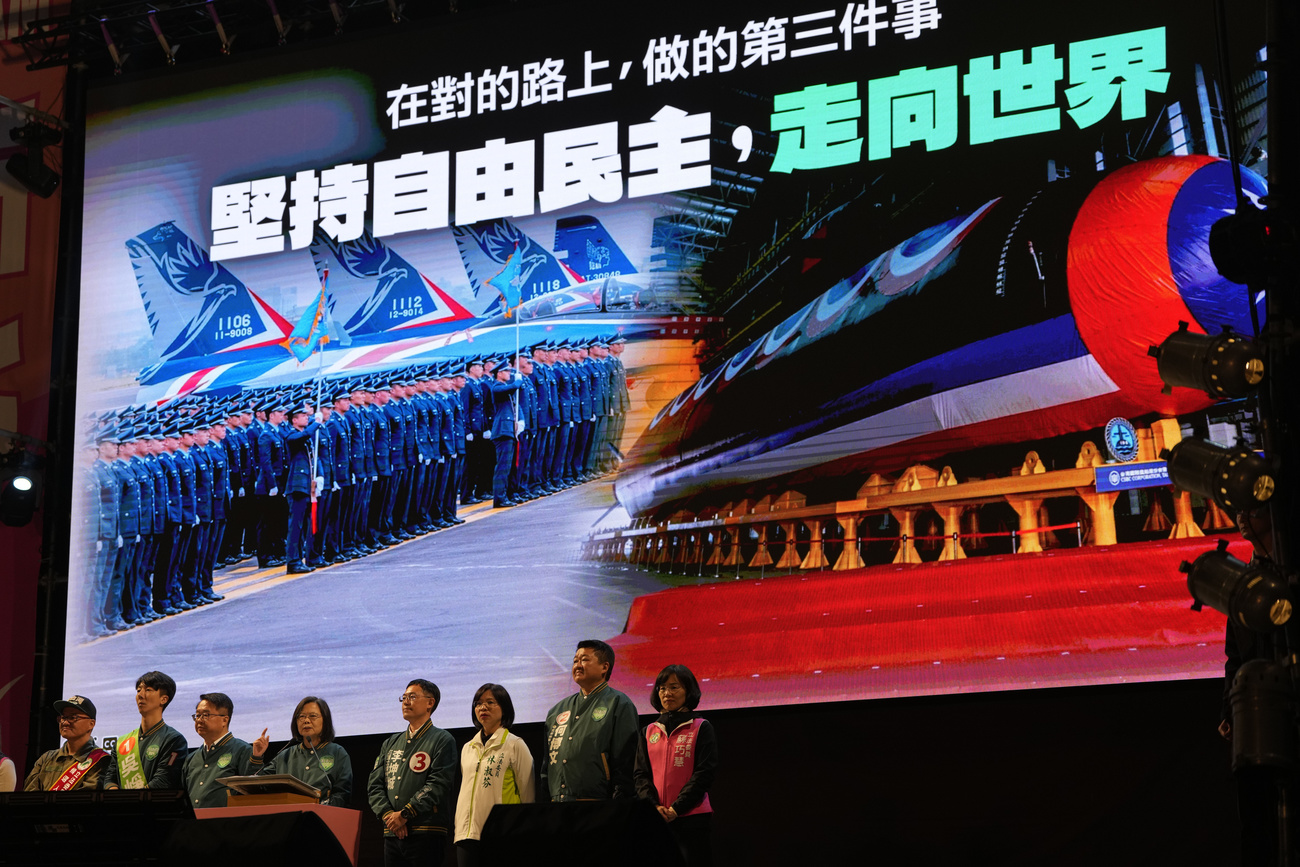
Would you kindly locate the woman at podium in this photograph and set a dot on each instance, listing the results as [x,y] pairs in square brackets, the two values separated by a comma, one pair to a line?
[311,755]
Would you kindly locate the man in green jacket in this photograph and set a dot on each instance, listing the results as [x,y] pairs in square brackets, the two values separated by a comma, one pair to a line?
[591,735]
[222,754]
[411,782]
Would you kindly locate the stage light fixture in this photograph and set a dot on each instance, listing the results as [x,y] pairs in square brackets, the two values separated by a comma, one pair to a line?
[29,168]
[1254,595]
[20,487]
[1263,716]
[168,49]
[280,27]
[1252,245]
[1237,479]
[1225,365]
[118,58]
[221,31]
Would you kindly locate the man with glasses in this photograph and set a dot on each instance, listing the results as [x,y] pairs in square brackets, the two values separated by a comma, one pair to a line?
[78,764]
[222,754]
[411,782]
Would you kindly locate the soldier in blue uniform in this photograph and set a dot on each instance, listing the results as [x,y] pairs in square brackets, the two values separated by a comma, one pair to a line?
[477,446]
[300,483]
[136,601]
[220,503]
[153,463]
[361,470]
[342,494]
[108,539]
[169,547]
[323,443]
[118,610]
[505,391]
[459,440]
[388,527]
[378,520]
[527,405]
[561,369]
[196,439]
[622,397]
[270,485]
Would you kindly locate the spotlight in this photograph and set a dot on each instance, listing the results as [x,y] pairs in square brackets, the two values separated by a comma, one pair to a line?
[168,49]
[221,31]
[1236,479]
[20,488]
[280,27]
[1252,245]
[1263,716]
[1254,595]
[1225,365]
[339,17]
[29,168]
[118,58]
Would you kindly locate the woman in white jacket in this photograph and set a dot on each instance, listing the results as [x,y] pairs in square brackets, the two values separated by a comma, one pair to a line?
[496,768]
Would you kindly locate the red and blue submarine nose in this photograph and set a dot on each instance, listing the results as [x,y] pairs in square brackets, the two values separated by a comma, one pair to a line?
[1139,263]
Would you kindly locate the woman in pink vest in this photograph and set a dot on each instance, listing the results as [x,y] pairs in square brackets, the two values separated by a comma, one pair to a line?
[676,757]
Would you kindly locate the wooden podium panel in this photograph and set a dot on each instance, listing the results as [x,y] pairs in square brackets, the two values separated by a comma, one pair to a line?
[275,800]
[345,824]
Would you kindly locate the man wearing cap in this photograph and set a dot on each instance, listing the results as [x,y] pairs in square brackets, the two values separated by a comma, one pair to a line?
[183,549]
[222,754]
[107,539]
[302,479]
[119,612]
[169,544]
[460,443]
[565,395]
[339,434]
[388,526]
[362,470]
[149,571]
[505,430]
[478,447]
[622,397]
[270,484]
[78,764]
[205,492]
[519,478]
[377,520]
[324,445]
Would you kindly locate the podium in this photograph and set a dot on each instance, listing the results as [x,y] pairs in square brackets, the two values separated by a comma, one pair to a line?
[344,824]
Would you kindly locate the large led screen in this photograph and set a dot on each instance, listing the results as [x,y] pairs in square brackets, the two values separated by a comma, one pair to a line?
[839,385]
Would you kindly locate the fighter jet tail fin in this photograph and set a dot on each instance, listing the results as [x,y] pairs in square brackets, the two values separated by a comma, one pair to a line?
[590,250]
[507,264]
[373,289]
[195,306]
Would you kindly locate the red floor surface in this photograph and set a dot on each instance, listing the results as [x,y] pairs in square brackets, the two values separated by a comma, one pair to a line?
[1068,617]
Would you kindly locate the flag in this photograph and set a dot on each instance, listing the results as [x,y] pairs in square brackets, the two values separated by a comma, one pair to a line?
[507,281]
[315,328]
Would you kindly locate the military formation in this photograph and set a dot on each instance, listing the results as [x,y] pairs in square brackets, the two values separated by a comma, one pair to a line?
[332,470]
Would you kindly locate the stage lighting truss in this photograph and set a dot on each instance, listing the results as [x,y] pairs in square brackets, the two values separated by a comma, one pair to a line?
[1254,595]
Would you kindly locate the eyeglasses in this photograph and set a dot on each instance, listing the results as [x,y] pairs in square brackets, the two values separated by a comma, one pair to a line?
[413,696]
[666,688]
[202,716]
[308,717]
[73,719]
